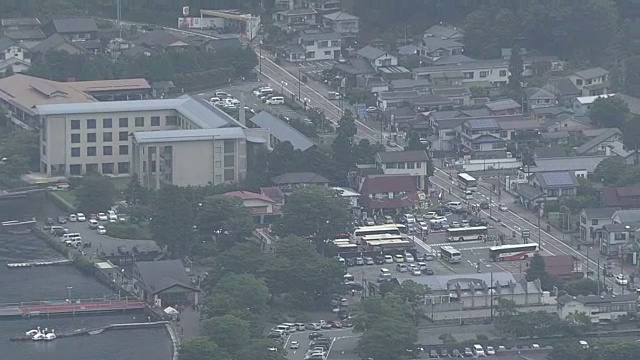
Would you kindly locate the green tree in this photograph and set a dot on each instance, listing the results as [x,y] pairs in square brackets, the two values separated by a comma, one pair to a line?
[414,142]
[347,125]
[202,349]
[609,170]
[609,112]
[631,135]
[22,151]
[9,71]
[224,218]
[95,194]
[516,67]
[229,332]
[342,153]
[314,212]
[582,287]
[413,294]
[172,220]
[630,176]
[233,292]
[631,76]
[242,258]
[136,194]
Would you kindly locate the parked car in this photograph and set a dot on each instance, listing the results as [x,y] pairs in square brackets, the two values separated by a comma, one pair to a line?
[621,279]
[314,335]
[503,207]
[81,217]
[484,205]
[388,259]
[103,217]
[379,259]
[401,268]
[490,350]
[62,220]
[294,345]
[415,271]
[398,258]
[102,230]
[368,260]
[73,217]
[428,271]
[359,261]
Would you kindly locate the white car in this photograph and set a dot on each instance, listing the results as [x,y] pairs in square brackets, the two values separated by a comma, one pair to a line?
[372,109]
[430,215]
[465,223]
[73,217]
[401,268]
[409,258]
[503,207]
[490,350]
[455,224]
[101,230]
[81,217]
[415,271]
[103,217]
[421,265]
[398,258]
[388,259]
[621,280]
[214,100]
[294,345]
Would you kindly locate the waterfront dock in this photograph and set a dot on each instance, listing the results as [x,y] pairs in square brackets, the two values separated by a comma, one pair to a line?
[27,264]
[61,308]
[100,330]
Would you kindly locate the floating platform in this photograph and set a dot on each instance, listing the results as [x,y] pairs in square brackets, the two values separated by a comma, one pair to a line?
[66,308]
[27,264]
[97,331]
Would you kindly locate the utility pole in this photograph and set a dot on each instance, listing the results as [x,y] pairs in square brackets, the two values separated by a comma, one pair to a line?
[491,292]
[539,232]
[299,84]
[260,56]
[490,204]
[119,16]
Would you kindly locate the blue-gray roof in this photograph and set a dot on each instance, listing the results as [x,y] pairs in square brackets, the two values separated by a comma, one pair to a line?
[557,179]
[486,139]
[199,111]
[483,124]
[162,136]
[369,52]
[282,131]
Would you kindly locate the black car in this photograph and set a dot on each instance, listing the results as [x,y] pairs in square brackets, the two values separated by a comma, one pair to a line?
[350,262]
[315,335]
[378,259]
[484,205]
[444,353]
[433,354]
[428,271]
[62,220]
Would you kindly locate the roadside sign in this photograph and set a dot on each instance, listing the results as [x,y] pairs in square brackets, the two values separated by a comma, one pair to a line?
[526,233]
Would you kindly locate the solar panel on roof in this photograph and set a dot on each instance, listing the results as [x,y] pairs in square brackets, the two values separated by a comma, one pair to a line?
[558,179]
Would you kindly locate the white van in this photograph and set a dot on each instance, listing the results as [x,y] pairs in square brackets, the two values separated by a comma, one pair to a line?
[454,205]
[284,328]
[276,100]
[478,350]
[468,195]
[292,326]
[71,237]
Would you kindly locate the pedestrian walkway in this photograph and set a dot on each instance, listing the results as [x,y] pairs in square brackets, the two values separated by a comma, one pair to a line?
[189,325]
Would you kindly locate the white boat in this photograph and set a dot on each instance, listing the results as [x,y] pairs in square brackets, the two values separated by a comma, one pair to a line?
[50,336]
[39,336]
[32,332]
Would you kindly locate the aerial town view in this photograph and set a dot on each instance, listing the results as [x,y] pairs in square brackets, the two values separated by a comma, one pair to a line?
[319,179]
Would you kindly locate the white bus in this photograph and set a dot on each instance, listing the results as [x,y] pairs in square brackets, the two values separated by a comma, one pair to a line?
[467,182]
[467,233]
[512,252]
[390,229]
[450,254]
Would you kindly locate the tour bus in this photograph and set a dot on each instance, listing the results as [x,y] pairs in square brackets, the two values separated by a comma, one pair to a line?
[512,252]
[450,254]
[391,229]
[467,233]
[467,182]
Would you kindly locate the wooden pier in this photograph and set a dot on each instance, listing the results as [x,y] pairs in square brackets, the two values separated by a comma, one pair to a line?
[61,308]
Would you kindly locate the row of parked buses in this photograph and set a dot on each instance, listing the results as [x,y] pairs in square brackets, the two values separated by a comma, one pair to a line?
[496,253]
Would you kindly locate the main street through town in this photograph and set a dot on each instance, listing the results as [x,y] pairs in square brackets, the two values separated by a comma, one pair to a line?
[518,218]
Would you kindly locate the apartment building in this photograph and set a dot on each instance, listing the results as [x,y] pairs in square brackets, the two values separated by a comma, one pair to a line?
[321,46]
[156,139]
[490,72]
[413,163]
[603,308]
[591,82]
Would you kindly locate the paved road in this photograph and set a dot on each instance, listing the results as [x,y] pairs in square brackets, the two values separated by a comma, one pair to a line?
[342,339]
[518,218]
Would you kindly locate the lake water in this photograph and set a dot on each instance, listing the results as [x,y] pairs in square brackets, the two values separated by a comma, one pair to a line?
[47,283]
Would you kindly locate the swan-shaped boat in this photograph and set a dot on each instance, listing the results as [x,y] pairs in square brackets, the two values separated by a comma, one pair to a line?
[50,336]
[32,332]
[39,336]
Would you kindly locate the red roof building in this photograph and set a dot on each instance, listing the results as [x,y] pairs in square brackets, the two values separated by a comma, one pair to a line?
[389,192]
[560,266]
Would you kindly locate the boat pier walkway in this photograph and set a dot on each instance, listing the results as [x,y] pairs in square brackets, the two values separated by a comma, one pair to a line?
[100,330]
[62,308]
[28,264]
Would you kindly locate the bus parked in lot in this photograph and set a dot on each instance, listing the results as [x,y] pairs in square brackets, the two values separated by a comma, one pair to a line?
[467,233]
[512,252]
[467,182]
[389,229]
[450,254]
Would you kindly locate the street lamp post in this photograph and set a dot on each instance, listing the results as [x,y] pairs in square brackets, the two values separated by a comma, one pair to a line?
[260,56]
[491,293]
[299,84]
[282,85]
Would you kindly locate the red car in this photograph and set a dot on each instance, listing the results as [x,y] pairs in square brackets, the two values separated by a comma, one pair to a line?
[336,324]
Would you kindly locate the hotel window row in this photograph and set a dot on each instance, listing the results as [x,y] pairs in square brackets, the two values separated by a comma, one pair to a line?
[107,123]
[106,168]
[106,150]
[106,137]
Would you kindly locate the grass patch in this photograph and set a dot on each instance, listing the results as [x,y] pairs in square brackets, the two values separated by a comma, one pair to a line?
[120,183]
[126,230]
[68,196]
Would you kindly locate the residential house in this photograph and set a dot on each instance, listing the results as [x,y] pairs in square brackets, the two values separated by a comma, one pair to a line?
[446,130]
[591,82]
[356,72]
[479,72]
[538,97]
[376,57]
[389,193]
[550,113]
[599,308]
[263,209]
[410,85]
[401,117]
[452,60]
[569,123]
[619,239]
[289,182]
[445,32]
[564,90]
[481,138]
[561,266]
[626,216]
[274,193]
[529,196]
[294,20]
[549,152]
[163,283]
[632,102]
[581,105]
[428,102]
[280,131]
[289,4]
[459,96]
[446,79]
[625,197]
[434,48]
[57,42]
[504,107]
[592,220]
[25,31]
[323,6]
[599,144]
[352,196]
[555,138]
[555,184]
[14,56]
[413,163]
[631,157]
[342,23]
[320,46]
[582,166]
[74,29]
[395,99]
[161,40]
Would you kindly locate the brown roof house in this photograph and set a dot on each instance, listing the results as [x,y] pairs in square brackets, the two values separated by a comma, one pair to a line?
[288,182]
[389,193]
[625,197]
[561,266]
[262,207]
[164,283]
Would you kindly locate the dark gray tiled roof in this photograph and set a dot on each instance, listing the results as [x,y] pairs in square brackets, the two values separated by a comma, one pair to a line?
[605,135]
[299,178]
[548,152]
[482,124]
[503,104]
[160,275]
[369,52]
[403,156]
[73,25]
[600,212]
[6,43]
[282,131]
[591,73]
[563,86]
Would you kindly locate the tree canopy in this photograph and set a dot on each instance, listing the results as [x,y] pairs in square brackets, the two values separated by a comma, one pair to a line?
[609,112]
[172,220]
[94,194]
[225,219]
